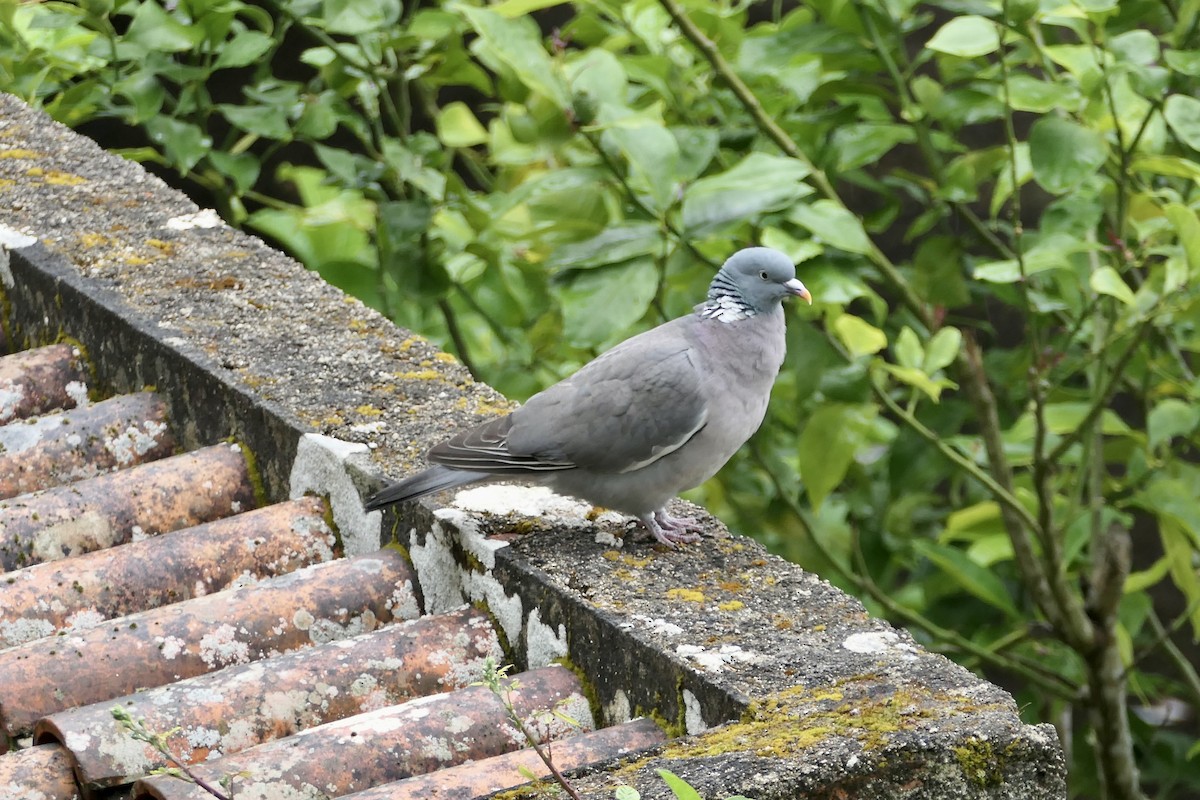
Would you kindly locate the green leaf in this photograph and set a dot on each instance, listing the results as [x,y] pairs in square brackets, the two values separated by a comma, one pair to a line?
[833,434]
[457,126]
[156,30]
[614,244]
[756,184]
[1179,549]
[184,143]
[919,380]
[966,37]
[1027,93]
[1182,113]
[679,787]
[653,156]
[1107,280]
[975,579]
[518,43]
[972,522]
[1144,579]
[1050,253]
[242,168]
[600,305]
[861,144]
[243,49]
[1188,229]
[860,337]
[1064,153]
[1185,61]
[1171,166]
[907,348]
[353,17]
[1170,418]
[942,349]
[1172,499]
[269,122]
[519,8]
[832,223]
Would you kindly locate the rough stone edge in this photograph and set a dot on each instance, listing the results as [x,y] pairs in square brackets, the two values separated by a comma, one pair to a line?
[544,617]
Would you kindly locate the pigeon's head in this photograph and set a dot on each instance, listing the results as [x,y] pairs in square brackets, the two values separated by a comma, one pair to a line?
[759,278]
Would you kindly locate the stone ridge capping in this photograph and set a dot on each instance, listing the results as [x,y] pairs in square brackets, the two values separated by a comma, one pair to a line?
[244,342]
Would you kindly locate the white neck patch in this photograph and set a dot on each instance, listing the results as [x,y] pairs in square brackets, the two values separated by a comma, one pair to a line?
[726,309]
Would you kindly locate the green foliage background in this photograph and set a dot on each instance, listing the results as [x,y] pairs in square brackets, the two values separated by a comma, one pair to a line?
[987,423]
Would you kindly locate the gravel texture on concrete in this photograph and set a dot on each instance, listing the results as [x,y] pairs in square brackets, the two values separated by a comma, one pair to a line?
[776,684]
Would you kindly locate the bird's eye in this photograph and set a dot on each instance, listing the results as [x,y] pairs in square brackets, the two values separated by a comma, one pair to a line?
[763,274]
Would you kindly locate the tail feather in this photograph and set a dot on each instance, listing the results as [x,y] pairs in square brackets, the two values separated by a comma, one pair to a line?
[434,479]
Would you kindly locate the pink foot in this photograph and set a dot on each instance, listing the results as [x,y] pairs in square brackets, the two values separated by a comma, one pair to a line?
[671,530]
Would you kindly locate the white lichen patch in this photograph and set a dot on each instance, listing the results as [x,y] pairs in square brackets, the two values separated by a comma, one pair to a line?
[693,714]
[84,618]
[469,536]
[284,706]
[303,619]
[437,571]
[77,390]
[876,642]
[321,468]
[241,734]
[327,630]
[544,643]
[133,442]
[205,218]
[82,534]
[402,604]
[202,738]
[16,439]
[717,660]
[170,646]
[77,740]
[654,624]
[125,753]
[11,396]
[19,631]
[618,709]
[221,647]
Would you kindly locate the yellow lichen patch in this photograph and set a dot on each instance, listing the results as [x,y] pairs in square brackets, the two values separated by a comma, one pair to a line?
[690,595]
[610,555]
[5,182]
[19,152]
[407,344]
[731,605]
[979,763]
[55,177]
[418,375]
[792,720]
[622,574]
[634,561]
[445,358]
[369,411]
[136,261]
[167,248]
[359,325]
[95,240]
[731,586]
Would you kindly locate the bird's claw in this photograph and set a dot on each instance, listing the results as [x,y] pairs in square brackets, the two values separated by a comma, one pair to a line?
[670,530]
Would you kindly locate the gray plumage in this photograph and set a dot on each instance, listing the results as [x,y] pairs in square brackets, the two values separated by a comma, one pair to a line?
[656,415]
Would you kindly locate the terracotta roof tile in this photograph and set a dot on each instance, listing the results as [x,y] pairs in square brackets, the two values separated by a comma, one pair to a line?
[241,635]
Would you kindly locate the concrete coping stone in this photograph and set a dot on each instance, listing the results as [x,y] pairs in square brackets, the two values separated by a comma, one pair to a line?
[774,683]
